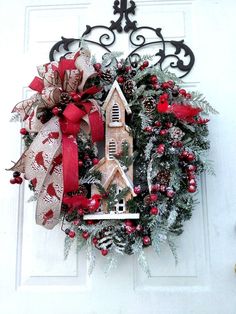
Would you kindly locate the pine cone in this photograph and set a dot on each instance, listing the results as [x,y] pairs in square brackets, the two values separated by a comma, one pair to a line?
[163,176]
[129,87]
[64,98]
[106,76]
[149,103]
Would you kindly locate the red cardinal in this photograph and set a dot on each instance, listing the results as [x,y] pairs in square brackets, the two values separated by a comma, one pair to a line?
[48,215]
[185,112]
[56,162]
[40,160]
[51,136]
[51,191]
[34,182]
[94,202]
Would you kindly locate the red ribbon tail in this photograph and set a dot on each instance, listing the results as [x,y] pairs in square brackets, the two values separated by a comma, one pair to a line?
[37,84]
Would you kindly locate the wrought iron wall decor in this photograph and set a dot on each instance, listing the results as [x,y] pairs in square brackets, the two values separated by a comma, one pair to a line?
[182,57]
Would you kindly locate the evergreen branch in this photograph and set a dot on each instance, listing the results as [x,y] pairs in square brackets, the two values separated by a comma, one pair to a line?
[198,100]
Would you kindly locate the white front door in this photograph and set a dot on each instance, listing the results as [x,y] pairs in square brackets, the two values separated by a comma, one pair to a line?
[34,278]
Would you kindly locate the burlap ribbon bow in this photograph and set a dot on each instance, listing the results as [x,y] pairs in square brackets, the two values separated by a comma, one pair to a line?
[51,161]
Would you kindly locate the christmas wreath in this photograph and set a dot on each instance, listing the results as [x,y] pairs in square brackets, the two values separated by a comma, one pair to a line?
[128,189]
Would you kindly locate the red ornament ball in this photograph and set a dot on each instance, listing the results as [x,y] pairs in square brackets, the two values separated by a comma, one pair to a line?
[95,161]
[155,188]
[191,168]
[95,241]
[163,132]
[153,79]
[80,163]
[18,180]
[192,182]
[104,252]
[190,157]
[160,149]
[182,92]
[148,129]
[137,189]
[97,66]
[192,189]
[71,234]
[120,79]
[56,111]
[154,211]
[153,197]
[13,181]
[23,131]
[146,240]
[85,235]
[158,124]
[145,64]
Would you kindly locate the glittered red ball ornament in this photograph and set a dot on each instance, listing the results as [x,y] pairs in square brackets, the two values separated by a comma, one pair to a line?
[128,223]
[188,96]
[155,86]
[18,180]
[104,252]
[97,66]
[191,168]
[95,241]
[141,68]
[148,129]
[153,79]
[13,181]
[180,144]
[80,163]
[56,111]
[192,182]
[95,161]
[71,234]
[153,197]
[182,92]
[146,240]
[169,124]
[163,132]
[137,189]
[85,235]
[130,230]
[192,189]
[190,157]
[184,154]
[155,188]
[158,124]
[160,149]
[145,64]
[165,85]
[154,211]
[120,79]
[23,131]
[191,175]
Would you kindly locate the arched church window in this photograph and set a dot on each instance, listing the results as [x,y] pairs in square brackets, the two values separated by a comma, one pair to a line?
[111,149]
[115,113]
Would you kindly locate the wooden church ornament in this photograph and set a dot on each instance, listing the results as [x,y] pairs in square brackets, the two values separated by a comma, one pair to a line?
[116,132]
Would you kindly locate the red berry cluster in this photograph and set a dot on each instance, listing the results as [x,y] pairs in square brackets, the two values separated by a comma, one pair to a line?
[190,170]
[16,178]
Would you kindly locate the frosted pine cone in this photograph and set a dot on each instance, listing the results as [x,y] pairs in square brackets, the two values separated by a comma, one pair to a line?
[129,87]
[149,103]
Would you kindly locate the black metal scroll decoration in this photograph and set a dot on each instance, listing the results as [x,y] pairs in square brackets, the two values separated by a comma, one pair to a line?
[175,54]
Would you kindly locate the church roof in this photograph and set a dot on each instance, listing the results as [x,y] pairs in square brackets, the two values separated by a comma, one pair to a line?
[116,87]
[116,169]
